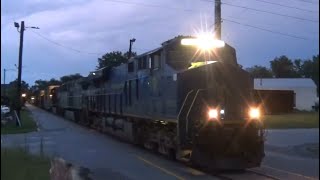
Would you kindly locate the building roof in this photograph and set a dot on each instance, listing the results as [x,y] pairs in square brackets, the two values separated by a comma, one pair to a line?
[261,83]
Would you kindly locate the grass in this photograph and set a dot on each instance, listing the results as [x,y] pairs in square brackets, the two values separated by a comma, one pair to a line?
[17,164]
[292,120]
[27,124]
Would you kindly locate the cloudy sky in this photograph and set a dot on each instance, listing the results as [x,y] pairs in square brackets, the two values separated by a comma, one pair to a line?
[74,33]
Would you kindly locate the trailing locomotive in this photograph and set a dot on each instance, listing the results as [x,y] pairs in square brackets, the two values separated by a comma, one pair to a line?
[176,101]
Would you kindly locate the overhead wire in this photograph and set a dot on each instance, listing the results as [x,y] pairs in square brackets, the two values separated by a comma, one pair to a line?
[159,6]
[311,2]
[270,12]
[148,5]
[291,7]
[66,47]
[58,44]
[267,30]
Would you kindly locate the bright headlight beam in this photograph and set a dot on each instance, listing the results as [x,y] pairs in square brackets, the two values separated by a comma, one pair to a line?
[254,113]
[203,43]
[213,114]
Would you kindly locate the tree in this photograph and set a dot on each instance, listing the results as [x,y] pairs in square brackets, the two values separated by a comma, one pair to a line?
[282,67]
[298,66]
[114,58]
[310,69]
[14,84]
[259,72]
[11,92]
[70,77]
[40,84]
[54,82]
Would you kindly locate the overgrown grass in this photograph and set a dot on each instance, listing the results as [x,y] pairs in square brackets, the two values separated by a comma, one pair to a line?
[16,164]
[27,124]
[292,120]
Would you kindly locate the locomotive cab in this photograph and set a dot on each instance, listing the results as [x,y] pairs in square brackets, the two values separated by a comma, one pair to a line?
[218,122]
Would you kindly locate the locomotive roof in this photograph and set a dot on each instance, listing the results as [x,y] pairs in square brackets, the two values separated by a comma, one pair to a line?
[147,53]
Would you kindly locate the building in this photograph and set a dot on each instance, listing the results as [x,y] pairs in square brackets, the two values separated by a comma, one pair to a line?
[304,89]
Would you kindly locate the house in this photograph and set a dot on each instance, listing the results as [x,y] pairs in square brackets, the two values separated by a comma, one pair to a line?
[304,90]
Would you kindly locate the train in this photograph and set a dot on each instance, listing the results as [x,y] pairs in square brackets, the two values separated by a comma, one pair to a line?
[175,100]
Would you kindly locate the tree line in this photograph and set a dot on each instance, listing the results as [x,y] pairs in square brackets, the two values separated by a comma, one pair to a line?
[283,67]
[280,67]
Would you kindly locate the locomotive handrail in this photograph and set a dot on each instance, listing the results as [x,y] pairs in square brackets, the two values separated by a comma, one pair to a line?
[178,118]
[185,99]
[194,99]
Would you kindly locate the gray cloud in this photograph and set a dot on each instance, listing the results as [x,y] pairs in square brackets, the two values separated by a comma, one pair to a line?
[100,26]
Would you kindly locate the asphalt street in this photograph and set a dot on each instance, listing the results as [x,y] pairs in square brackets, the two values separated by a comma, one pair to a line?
[106,157]
[286,150]
[109,158]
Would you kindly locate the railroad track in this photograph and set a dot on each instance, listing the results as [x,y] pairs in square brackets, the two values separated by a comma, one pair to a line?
[264,172]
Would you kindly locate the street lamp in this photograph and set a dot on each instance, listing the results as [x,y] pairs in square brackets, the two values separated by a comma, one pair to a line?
[24,95]
[130,47]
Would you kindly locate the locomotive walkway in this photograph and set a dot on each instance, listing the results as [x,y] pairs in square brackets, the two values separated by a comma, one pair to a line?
[108,158]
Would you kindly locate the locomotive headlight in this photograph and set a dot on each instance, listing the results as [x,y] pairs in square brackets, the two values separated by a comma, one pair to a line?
[213,114]
[254,113]
[204,41]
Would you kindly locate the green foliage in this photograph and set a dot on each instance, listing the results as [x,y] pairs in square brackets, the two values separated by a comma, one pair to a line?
[54,82]
[260,72]
[292,120]
[11,92]
[17,164]
[283,67]
[70,77]
[114,58]
[27,125]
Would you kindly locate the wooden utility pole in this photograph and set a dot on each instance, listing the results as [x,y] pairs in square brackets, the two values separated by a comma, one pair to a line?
[217,19]
[20,70]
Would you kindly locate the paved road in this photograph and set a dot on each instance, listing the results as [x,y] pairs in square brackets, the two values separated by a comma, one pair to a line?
[286,150]
[108,157]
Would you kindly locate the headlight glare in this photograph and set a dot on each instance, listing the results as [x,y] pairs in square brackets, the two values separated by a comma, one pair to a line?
[254,113]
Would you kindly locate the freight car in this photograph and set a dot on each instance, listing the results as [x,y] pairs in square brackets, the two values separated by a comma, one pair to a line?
[174,100]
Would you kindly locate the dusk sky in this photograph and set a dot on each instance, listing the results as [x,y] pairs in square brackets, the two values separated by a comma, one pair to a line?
[94,27]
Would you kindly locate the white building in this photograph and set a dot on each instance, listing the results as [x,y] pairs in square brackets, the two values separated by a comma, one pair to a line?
[305,89]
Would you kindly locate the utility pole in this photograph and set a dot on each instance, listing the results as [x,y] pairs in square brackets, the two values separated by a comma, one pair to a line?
[130,47]
[19,70]
[4,76]
[217,19]
[19,99]
[4,81]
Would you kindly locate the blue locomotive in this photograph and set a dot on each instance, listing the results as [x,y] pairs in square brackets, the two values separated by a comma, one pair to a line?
[175,100]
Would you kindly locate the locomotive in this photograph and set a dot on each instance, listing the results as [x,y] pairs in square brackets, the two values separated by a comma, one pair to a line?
[174,100]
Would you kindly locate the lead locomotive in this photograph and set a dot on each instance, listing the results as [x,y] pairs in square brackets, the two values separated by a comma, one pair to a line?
[174,100]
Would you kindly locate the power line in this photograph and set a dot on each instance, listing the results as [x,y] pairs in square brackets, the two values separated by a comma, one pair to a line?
[148,5]
[307,1]
[269,12]
[267,30]
[264,11]
[58,44]
[292,7]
